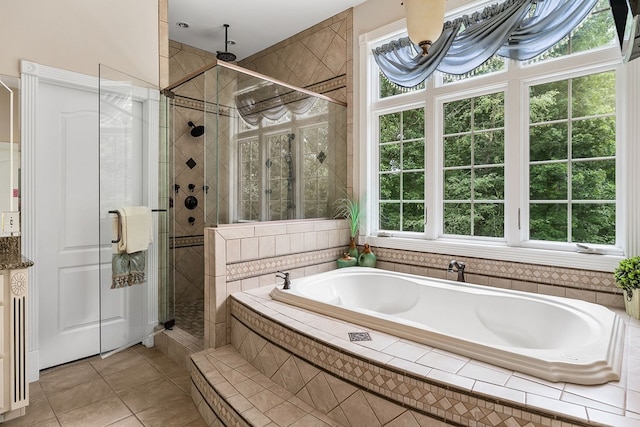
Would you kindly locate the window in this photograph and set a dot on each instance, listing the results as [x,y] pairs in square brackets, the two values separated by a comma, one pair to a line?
[473,172]
[572,168]
[401,176]
[512,154]
[249,159]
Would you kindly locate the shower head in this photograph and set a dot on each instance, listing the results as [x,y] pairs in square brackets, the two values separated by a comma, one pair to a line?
[225,56]
[196,131]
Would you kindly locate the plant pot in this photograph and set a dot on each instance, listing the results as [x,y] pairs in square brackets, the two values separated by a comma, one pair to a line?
[632,306]
[353,249]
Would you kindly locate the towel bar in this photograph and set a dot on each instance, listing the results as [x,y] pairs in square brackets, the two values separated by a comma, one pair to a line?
[119,225]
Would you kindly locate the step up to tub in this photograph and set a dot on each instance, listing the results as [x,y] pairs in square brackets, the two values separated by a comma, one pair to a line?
[228,390]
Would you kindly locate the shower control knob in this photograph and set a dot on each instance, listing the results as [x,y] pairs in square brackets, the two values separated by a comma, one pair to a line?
[191,187]
[191,202]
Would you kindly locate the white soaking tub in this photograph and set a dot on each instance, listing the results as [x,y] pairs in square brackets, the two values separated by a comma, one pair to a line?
[554,338]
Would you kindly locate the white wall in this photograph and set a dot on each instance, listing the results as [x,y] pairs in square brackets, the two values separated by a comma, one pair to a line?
[77,35]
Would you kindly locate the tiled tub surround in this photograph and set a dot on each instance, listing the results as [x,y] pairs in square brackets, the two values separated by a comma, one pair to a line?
[240,257]
[391,381]
[245,256]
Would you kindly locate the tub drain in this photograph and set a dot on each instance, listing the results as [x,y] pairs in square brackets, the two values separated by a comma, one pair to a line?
[359,336]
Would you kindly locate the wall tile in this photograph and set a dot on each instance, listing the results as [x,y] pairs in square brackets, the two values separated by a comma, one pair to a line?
[233,251]
[249,248]
[266,246]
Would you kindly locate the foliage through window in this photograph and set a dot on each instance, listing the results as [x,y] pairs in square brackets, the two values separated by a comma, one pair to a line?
[401,175]
[473,201]
[572,168]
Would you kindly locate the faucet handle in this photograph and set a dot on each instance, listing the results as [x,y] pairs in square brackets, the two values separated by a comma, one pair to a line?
[287,281]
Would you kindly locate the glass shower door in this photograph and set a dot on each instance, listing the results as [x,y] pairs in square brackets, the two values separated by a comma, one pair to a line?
[131,259]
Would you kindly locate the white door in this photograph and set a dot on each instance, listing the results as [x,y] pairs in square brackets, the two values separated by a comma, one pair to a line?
[67,221]
[67,258]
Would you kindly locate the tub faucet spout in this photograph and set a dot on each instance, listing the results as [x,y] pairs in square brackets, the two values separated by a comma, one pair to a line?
[287,280]
[459,268]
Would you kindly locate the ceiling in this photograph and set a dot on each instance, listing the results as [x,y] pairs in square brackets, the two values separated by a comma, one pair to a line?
[253,24]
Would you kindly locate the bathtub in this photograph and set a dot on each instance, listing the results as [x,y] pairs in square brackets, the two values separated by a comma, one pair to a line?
[553,338]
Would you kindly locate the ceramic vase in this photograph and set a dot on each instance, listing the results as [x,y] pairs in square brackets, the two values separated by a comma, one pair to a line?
[346,261]
[367,258]
[353,249]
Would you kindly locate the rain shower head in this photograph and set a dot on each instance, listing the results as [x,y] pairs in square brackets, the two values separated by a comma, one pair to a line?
[196,131]
[225,56]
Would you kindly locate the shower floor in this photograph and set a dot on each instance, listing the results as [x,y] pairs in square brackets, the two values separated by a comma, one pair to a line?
[190,317]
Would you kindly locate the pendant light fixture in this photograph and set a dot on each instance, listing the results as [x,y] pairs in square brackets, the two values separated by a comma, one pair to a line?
[425,19]
[225,55]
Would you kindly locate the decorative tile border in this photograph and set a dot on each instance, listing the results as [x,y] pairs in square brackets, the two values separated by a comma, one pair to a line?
[259,267]
[186,241]
[455,405]
[574,278]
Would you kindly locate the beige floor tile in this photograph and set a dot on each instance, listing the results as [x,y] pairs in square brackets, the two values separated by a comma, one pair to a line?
[131,421]
[79,395]
[118,362]
[180,412]
[64,377]
[150,394]
[101,413]
[38,410]
[133,376]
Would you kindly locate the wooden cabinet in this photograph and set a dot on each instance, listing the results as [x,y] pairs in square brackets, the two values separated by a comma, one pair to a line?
[14,394]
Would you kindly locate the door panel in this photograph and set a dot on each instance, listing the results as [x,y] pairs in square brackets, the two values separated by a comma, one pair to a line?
[67,250]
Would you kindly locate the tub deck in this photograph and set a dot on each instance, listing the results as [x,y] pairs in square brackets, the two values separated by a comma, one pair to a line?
[616,403]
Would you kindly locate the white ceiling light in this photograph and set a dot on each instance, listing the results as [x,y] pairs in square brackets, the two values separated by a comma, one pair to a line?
[425,19]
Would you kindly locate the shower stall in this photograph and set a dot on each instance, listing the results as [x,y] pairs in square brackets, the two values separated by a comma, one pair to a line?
[243,147]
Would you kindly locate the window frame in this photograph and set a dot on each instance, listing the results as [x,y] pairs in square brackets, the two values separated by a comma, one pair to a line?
[515,80]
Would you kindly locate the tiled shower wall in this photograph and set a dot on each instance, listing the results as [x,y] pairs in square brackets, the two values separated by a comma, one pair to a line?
[245,256]
[319,59]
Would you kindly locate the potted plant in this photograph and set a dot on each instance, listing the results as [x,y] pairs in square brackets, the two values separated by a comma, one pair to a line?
[350,210]
[627,277]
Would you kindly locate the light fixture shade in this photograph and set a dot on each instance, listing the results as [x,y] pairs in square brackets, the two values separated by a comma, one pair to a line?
[425,19]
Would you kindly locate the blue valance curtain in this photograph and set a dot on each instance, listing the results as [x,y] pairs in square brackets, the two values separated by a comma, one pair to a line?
[518,29]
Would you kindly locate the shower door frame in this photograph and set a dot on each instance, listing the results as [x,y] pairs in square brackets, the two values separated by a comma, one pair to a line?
[112,338]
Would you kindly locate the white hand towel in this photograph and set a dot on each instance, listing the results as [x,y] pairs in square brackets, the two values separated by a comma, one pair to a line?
[136,229]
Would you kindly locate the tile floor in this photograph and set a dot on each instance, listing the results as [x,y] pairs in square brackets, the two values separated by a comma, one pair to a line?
[189,317]
[136,387]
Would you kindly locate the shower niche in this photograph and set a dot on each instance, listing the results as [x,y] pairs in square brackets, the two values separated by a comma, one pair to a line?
[246,148]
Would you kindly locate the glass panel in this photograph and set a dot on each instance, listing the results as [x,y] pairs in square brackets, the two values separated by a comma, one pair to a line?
[548,181]
[548,222]
[594,223]
[129,174]
[488,219]
[387,88]
[596,30]
[457,218]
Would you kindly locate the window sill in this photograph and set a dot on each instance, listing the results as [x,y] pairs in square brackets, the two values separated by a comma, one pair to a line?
[499,252]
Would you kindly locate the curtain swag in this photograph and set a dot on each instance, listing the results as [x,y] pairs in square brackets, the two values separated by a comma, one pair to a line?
[271,102]
[517,29]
